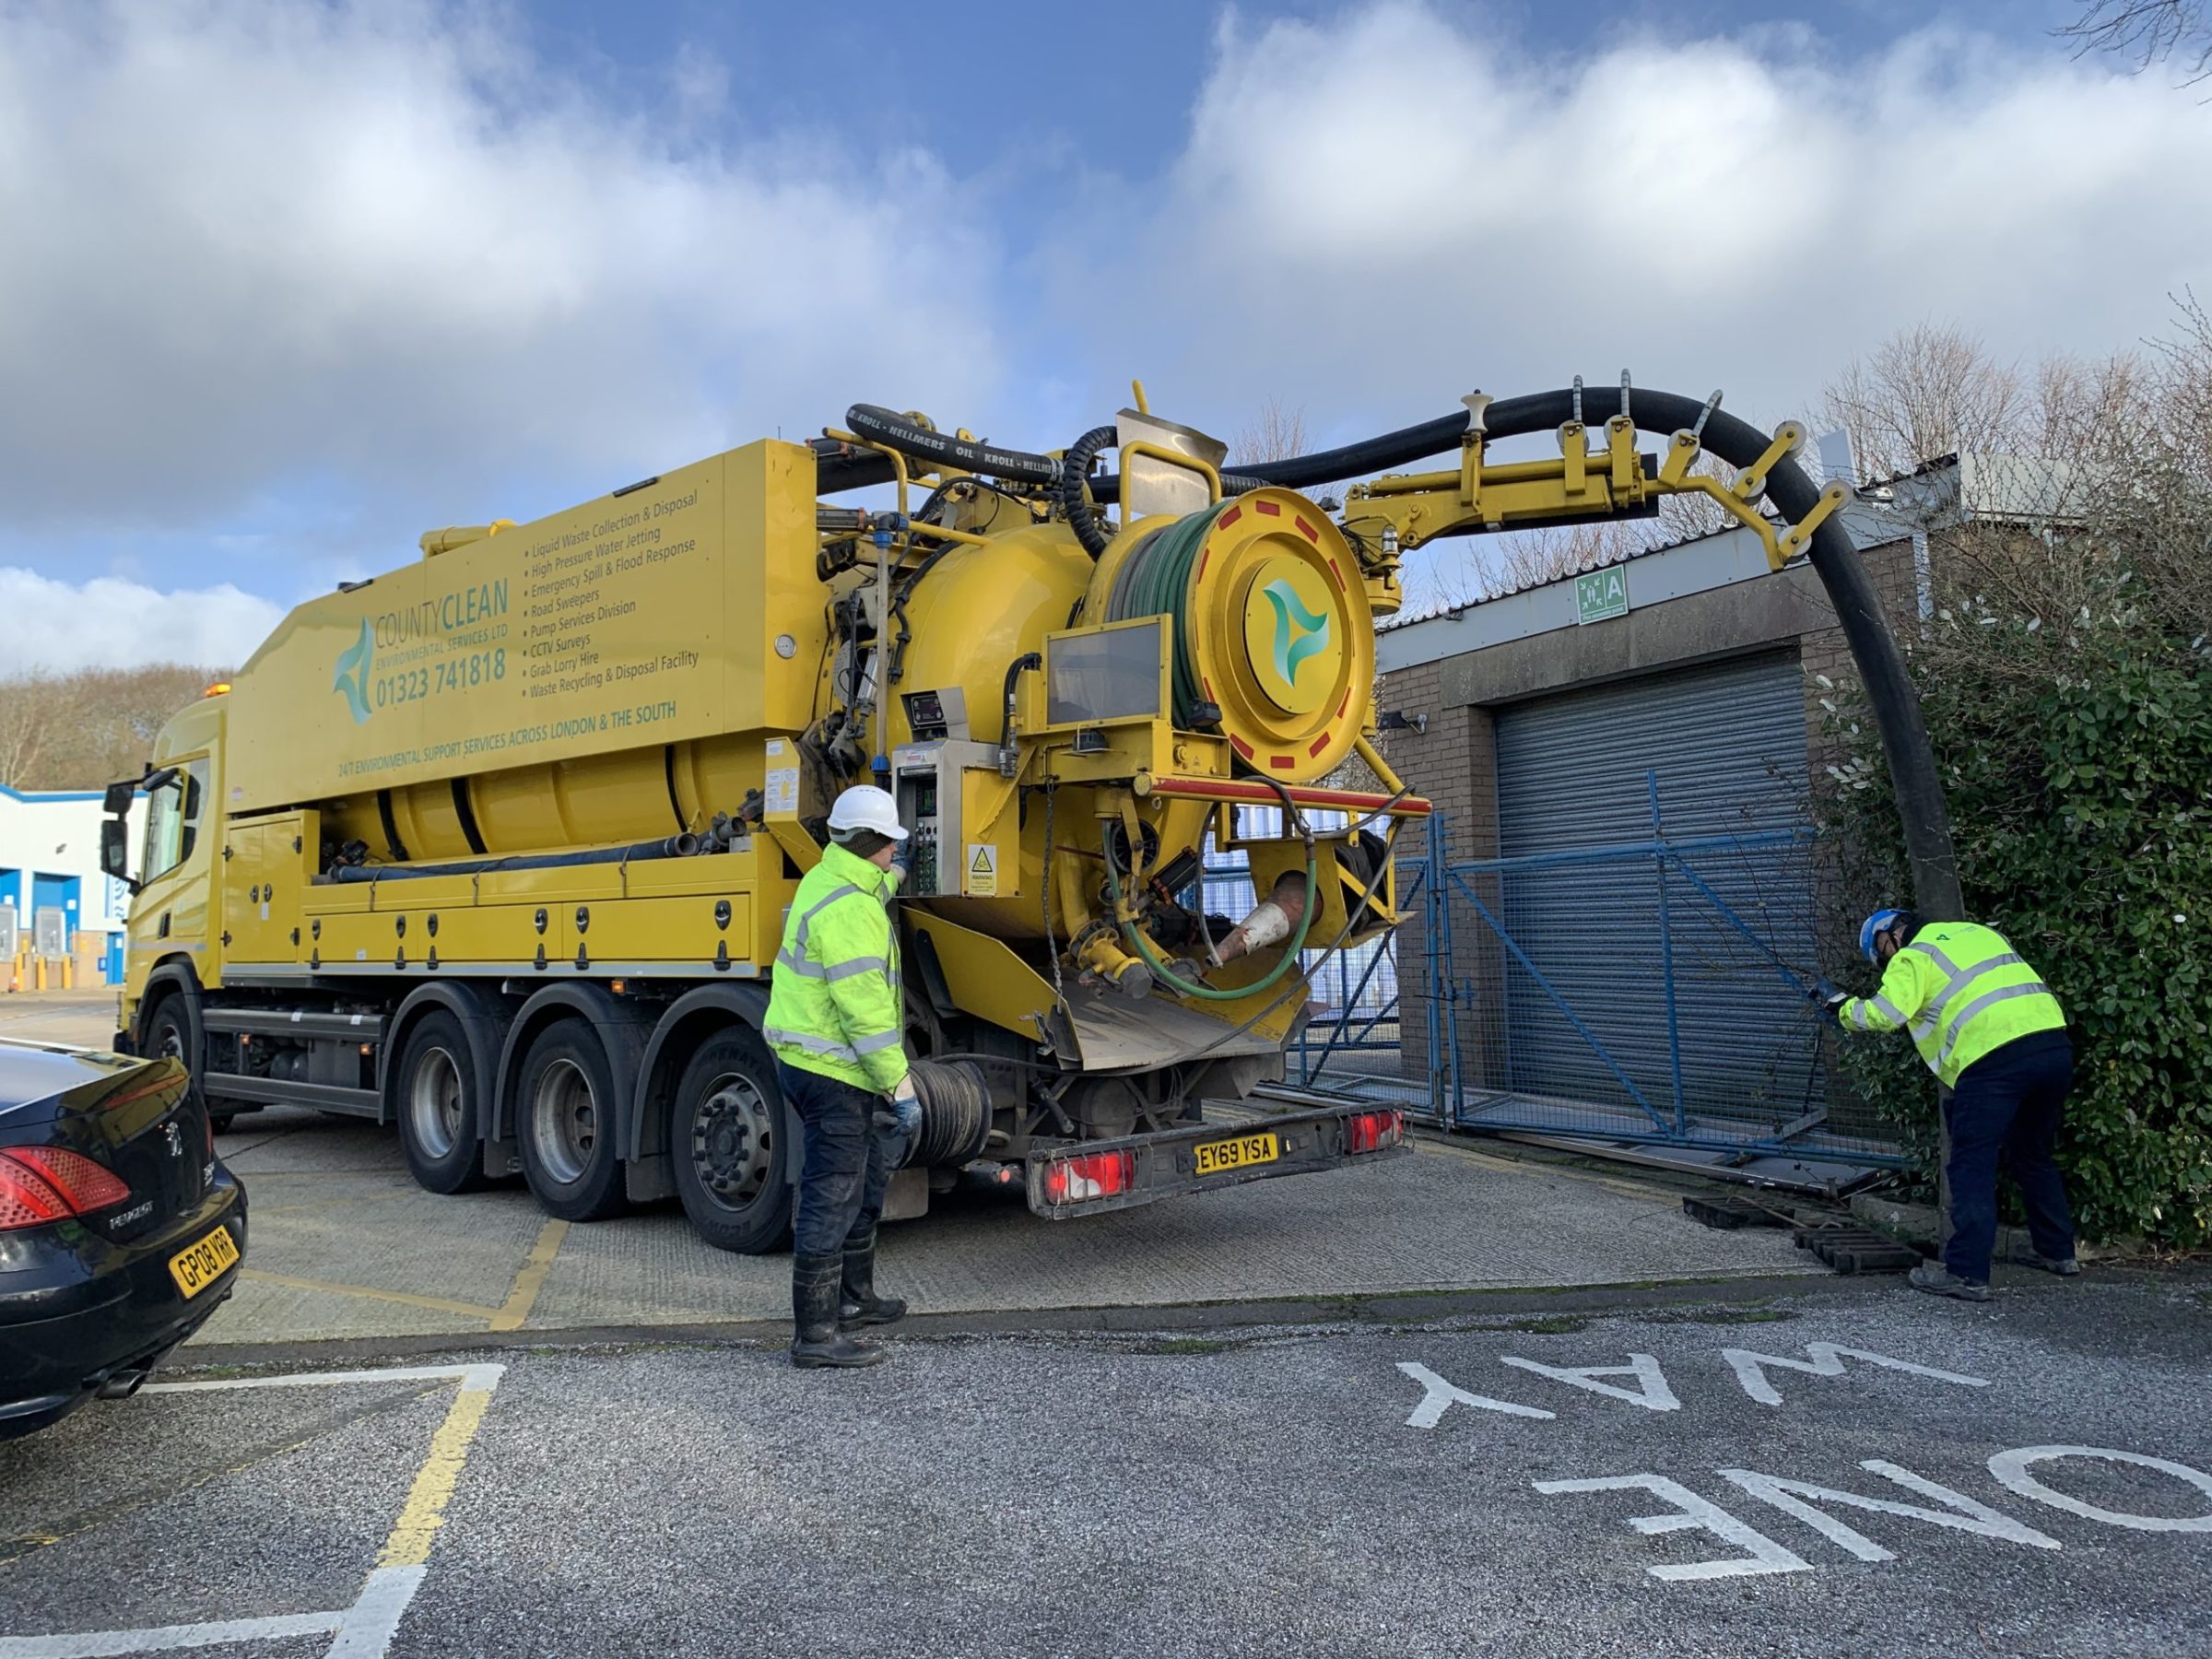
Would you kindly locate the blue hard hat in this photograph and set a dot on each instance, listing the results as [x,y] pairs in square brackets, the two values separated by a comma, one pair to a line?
[1882,920]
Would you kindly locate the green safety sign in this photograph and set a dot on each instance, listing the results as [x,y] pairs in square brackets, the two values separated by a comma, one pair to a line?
[1601,594]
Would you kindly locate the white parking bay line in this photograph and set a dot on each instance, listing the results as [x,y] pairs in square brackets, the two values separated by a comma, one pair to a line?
[475,1379]
[365,1630]
[96,1644]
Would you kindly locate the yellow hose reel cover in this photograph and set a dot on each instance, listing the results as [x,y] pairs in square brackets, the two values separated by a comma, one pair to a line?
[1284,640]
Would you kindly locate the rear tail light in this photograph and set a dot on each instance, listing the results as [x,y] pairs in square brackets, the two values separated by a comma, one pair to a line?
[1092,1175]
[1373,1131]
[39,1184]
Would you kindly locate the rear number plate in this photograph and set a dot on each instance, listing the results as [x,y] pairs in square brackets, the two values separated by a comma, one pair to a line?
[199,1265]
[1240,1153]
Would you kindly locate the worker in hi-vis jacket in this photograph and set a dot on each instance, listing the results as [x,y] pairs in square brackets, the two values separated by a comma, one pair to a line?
[1996,1038]
[838,1026]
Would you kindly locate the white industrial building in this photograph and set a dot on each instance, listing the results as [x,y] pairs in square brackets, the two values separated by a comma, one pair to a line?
[50,861]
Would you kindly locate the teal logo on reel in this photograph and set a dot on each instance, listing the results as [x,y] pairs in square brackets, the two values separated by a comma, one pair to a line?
[352,674]
[1298,632]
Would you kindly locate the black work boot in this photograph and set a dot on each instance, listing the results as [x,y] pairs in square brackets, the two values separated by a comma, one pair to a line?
[816,1340]
[1939,1281]
[860,1305]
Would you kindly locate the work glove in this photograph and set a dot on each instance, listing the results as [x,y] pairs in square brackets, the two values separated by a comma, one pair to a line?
[900,1114]
[1831,1009]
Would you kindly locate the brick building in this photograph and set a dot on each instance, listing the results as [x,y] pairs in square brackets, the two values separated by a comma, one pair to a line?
[1562,732]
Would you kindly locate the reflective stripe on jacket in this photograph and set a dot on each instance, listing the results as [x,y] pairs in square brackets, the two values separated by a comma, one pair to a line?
[1962,991]
[833,1002]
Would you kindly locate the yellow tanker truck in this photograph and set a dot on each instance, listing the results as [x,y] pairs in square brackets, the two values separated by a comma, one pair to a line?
[497,847]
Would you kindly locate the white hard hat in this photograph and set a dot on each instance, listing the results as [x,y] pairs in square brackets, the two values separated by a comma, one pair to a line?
[864,807]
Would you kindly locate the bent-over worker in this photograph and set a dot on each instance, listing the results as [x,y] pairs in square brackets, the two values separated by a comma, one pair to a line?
[836,1025]
[1995,1037]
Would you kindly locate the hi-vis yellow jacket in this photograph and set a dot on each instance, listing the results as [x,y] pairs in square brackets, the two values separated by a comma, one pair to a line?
[1962,991]
[833,1003]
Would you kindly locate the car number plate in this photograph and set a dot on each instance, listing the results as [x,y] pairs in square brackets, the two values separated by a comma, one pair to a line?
[1239,1154]
[199,1265]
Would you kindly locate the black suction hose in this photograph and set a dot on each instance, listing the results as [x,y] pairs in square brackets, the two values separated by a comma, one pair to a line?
[1400,447]
[1080,518]
[1889,690]
[880,425]
[676,846]
[839,467]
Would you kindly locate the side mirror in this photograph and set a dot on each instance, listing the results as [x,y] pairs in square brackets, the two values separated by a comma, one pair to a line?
[116,801]
[115,850]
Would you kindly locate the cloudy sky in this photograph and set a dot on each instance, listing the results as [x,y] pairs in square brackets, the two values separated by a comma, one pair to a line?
[284,283]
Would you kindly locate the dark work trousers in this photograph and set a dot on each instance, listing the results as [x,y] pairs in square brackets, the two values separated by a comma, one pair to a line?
[2005,1108]
[847,1160]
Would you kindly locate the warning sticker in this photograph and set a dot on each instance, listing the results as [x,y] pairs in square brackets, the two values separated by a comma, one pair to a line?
[982,871]
[783,791]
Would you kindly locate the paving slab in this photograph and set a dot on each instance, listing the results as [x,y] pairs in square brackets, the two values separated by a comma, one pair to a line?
[1428,1222]
[345,1246]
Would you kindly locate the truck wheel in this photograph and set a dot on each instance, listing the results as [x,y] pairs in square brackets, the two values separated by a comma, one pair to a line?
[565,1124]
[168,1037]
[726,1140]
[438,1095]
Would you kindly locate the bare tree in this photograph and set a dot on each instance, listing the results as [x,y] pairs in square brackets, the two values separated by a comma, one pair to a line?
[83,730]
[1926,392]
[1277,434]
[25,713]
[2149,32]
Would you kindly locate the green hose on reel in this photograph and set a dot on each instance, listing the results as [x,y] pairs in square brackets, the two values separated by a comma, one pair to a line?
[1156,582]
[1182,987]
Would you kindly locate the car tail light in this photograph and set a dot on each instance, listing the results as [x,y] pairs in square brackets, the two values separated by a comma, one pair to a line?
[1093,1175]
[1373,1131]
[39,1184]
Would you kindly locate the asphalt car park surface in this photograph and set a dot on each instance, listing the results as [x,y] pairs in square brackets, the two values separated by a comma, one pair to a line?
[1531,1409]
[1256,1490]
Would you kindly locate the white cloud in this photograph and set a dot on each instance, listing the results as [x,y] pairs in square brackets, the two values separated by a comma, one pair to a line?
[1375,214]
[386,247]
[111,623]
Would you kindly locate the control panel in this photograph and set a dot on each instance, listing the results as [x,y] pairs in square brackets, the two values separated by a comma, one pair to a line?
[945,788]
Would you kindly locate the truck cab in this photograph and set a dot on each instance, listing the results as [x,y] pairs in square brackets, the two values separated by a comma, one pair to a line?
[175,939]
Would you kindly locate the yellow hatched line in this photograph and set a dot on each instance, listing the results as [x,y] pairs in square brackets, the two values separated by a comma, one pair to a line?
[406,1299]
[401,1297]
[521,1296]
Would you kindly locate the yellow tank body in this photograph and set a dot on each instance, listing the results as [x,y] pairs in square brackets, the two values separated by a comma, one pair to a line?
[548,669]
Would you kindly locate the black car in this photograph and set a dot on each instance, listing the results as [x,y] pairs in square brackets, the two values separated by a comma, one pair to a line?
[120,1231]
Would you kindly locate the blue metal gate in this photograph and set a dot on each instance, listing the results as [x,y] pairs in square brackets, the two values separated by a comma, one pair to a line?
[1650,992]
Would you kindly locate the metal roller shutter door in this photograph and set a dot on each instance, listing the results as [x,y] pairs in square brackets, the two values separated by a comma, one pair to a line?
[1727,743]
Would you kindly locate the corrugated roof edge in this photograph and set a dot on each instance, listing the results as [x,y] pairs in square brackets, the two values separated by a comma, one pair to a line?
[1407,620]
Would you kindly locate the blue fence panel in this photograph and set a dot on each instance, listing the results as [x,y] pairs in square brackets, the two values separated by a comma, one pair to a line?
[1652,990]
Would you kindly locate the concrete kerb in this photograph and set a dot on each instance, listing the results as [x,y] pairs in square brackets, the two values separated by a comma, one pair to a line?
[1730,1299]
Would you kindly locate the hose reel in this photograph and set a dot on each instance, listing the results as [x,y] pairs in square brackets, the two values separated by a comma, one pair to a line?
[1270,626]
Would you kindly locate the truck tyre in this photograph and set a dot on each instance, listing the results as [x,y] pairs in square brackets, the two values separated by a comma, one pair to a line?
[726,1140]
[168,1037]
[438,1095]
[566,1129]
